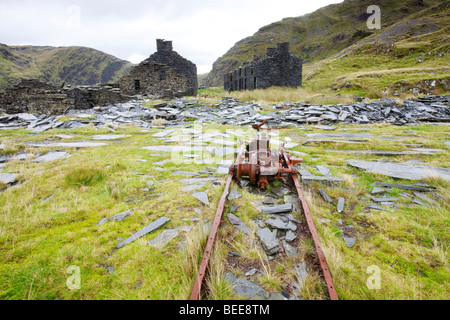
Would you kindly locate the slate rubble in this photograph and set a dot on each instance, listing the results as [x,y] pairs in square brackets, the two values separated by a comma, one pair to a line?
[234,112]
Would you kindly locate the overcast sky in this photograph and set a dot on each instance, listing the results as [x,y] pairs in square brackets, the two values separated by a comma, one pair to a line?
[201,31]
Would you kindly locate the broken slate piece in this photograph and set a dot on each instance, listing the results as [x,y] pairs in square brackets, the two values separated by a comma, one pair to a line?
[245,288]
[193,187]
[52,156]
[302,273]
[323,170]
[290,250]
[400,170]
[377,190]
[421,203]
[269,201]
[201,196]
[285,208]
[234,194]
[280,191]
[325,196]
[150,228]
[8,178]
[161,240]
[290,236]
[121,216]
[340,205]
[103,221]
[350,242]
[47,199]
[385,199]
[185,173]
[292,226]
[269,241]
[277,223]
[239,224]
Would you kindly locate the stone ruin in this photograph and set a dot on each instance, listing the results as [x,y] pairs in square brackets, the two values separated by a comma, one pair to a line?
[34,96]
[164,73]
[279,68]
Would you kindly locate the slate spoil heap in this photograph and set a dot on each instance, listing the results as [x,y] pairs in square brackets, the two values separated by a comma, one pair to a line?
[234,112]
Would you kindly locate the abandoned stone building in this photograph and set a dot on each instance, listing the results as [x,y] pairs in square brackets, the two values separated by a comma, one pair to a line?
[34,96]
[165,74]
[279,68]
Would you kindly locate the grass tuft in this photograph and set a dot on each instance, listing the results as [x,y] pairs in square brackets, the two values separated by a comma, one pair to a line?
[86,176]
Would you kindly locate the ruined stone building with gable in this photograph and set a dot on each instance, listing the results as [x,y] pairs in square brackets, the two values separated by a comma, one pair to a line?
[165,74]
[279,68]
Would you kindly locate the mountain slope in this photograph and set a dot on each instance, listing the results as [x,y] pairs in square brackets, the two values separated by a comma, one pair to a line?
[72,65]
[319,35]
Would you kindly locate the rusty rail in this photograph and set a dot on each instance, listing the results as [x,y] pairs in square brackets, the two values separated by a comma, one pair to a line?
[195,294]
[312,228]
[286,166]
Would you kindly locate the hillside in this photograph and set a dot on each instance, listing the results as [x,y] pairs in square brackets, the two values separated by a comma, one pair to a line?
[335,42]
[70,65]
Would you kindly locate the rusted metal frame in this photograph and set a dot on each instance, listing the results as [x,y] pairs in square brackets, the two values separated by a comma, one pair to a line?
[195,294]
[323,262]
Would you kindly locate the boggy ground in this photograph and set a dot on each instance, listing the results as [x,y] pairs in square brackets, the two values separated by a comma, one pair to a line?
[50,216]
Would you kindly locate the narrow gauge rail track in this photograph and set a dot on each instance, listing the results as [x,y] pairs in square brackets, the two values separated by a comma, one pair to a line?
[260,163]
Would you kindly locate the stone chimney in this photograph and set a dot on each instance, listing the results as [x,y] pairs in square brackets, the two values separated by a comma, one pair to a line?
[283,48]
[163,45]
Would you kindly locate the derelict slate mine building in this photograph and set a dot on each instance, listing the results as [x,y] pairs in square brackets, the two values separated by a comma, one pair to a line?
[279,68]
[164,73]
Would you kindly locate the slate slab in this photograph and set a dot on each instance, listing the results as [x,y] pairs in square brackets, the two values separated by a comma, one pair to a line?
[325,180]
[350,242]
[185,173]
[390,199]
[400,170]
[341,205]
[269,241]
[324,170]
[103,221]
[290,236]
[245,288]
[8,178]
[377,190]
[325,196]
[148,229]
[404,186]
[193,187]
[52,156]
[239,224]
[280,191]
[302,273]
[161,240]
[285,208]
[69,144]
[290,251]
[201,196]
[277,223]
[234,194]
[339,135]
[110,137]
[121,216]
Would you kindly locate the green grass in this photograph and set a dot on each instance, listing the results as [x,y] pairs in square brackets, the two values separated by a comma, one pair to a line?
[41,240]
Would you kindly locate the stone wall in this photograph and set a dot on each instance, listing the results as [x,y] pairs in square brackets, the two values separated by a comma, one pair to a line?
[38,97]
[279,68]
[165,73]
